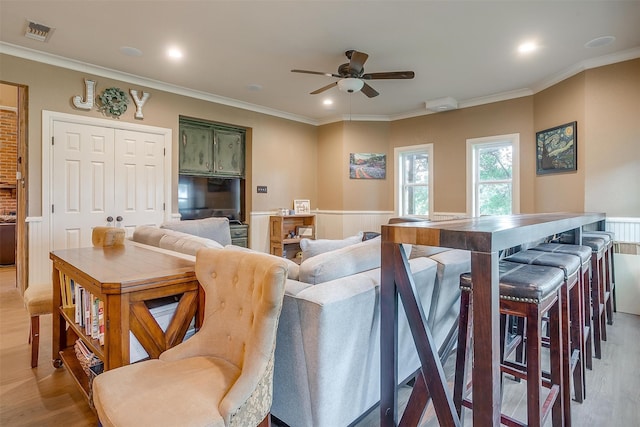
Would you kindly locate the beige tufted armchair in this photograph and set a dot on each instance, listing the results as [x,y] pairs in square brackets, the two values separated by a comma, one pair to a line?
[222,376]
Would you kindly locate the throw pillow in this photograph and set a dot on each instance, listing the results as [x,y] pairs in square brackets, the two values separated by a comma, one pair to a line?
[311,248]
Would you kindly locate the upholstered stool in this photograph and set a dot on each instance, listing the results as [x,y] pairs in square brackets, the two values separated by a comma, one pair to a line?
[598,248]
[610,274]
[584,276]
[571,303]
[528,291]
[39,300]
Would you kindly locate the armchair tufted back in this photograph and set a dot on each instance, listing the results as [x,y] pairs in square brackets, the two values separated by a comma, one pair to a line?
[243,299]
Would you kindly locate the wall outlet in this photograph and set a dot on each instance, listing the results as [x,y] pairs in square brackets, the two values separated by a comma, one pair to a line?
[261,189]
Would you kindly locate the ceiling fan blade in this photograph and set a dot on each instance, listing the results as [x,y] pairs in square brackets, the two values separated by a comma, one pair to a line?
[322,89]
[357,60]
[369,91]
[320,73]
[389,75]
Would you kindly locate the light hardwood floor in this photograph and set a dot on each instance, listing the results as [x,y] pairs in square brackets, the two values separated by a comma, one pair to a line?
[45,396]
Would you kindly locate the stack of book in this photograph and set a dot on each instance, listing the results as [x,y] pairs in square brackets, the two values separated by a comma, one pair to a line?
[88,309]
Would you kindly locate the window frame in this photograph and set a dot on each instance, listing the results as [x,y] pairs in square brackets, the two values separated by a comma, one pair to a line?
[473,145]
[398,176]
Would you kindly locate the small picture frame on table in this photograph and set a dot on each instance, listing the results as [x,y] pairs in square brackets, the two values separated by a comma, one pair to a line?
[302,207]
[304,231]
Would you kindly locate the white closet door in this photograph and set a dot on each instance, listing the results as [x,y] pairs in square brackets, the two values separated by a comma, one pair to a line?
[101,172]
[139,178]
[83,182]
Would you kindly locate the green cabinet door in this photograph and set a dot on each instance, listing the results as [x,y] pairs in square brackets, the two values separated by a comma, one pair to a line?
[228,153]
[196,150]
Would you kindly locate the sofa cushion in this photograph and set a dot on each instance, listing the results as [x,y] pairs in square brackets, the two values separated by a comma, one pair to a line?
[148,235]
[186,243]
[211,228]
[341,262]
[311,248]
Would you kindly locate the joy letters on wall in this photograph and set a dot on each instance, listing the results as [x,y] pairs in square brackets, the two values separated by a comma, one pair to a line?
[113,100]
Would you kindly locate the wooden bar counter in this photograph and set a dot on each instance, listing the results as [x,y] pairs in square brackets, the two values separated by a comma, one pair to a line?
[124,277]
[484,237]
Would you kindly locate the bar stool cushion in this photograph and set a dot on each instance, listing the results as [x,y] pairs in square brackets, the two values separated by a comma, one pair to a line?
[523,282]
[608,236]
[584,252]
[596,244]
[570,264]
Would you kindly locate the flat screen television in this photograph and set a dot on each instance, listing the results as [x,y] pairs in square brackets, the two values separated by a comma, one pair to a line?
[204,197]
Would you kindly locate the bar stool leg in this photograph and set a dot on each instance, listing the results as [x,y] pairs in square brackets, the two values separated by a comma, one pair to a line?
[598,321]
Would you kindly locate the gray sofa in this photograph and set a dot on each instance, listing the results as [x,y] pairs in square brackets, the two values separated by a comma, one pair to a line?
[327,365]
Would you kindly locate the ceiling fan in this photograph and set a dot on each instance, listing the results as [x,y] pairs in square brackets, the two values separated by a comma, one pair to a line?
[352,76]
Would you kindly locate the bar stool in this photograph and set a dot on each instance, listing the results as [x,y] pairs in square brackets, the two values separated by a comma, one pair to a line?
[598,247]
[571,302]
[609,276]
[528,291]
[584,275]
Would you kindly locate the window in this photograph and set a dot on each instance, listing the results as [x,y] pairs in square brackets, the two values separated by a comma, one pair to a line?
[493,171]
[413,184]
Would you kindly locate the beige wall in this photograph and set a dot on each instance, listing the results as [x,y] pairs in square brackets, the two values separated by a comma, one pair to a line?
[336,191]
[560,104]
[449,131]
[296,160]
[277,146]
[612,151]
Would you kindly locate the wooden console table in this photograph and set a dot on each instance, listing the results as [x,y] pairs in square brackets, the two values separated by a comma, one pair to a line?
[124,277]
[484,237]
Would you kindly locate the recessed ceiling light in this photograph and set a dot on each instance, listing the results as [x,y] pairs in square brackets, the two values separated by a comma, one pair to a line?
[130,51]
[600,41]
[527,47]
[327,102]
[174,53]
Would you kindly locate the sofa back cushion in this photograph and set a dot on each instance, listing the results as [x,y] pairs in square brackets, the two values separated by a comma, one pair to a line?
[342,262]
[186,243]
[148,235]
[292,267]
[311,248]
[210,228]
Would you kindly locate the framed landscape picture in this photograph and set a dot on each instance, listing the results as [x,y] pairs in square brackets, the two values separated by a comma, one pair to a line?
[367,166]
[556,149]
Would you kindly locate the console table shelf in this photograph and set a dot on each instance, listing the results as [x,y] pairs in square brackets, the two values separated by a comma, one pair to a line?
[125,278]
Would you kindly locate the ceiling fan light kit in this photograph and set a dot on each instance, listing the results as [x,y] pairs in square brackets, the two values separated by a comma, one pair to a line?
[442,104]
[350,85]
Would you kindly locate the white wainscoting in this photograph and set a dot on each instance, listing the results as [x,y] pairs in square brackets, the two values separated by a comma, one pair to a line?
[39,263]
[626,229]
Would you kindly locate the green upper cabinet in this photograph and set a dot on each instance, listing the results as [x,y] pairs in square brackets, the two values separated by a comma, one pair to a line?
[228,152]
[196,150]
[208,149]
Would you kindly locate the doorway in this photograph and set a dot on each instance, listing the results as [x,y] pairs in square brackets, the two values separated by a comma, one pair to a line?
[14,179]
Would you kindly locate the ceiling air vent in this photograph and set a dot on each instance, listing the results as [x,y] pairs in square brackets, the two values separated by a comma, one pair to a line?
[38,31]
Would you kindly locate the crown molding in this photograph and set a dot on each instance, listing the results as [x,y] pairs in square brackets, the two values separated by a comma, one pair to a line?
[624,55]
[71,64]
[38,56]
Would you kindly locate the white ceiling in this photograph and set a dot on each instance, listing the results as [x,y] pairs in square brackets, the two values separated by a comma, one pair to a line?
[461,49]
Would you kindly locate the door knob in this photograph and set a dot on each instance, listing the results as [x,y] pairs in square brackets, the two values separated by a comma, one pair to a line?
[109,219]
[119,218]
